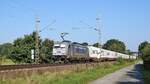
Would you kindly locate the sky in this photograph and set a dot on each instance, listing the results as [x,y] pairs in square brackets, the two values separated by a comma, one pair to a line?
[125,20]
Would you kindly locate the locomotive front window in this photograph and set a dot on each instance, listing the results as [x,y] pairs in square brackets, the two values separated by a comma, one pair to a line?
[56,46]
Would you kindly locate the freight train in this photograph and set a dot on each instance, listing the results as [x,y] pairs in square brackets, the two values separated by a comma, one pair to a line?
[68,51]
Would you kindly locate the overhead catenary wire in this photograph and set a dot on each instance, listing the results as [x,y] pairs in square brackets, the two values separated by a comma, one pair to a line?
[98,29]
[47,26]
[91,27]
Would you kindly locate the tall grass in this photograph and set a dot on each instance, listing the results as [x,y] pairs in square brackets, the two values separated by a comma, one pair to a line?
[78,76]
[7,61]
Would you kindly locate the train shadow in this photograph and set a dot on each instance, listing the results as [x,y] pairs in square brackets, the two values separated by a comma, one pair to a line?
[135,75]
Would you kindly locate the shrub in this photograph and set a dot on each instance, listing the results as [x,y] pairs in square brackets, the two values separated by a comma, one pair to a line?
[120,60]
[146,56]
[146,53]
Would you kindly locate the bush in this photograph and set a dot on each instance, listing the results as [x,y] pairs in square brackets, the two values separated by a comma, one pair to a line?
[120,60]
[147,65]
[146,53]
[146,75]
[146,56]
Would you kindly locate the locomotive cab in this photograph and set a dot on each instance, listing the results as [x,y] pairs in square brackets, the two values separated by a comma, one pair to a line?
[60,50]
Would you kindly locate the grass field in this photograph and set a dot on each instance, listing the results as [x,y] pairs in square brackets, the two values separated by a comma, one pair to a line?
[80,76]
[7,62]
[146,76]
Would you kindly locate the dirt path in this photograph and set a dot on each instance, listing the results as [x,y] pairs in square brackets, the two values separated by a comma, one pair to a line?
[128,75]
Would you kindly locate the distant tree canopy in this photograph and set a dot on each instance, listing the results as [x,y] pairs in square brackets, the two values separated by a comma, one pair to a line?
[5,50]
[142,46]
[144,49]
[128,52]
[115,45]
[22,47]
[146,53]
[97,45]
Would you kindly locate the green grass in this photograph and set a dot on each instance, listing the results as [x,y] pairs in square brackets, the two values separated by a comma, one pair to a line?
[7,62]
[146,76]
[81,76]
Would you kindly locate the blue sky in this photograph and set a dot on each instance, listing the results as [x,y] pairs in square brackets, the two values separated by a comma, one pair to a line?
[126,20]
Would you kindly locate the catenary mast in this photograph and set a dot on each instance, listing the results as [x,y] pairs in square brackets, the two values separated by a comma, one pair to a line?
[37,26]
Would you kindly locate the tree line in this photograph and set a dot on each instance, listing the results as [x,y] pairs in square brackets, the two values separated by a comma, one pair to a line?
[20,50]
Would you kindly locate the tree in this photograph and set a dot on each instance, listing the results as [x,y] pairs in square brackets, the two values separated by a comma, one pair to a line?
[22,49]
[96,45]
[128,52]
[146,56]
[142,45]
[46,51]
[115,45]
[5,49]
[146,53]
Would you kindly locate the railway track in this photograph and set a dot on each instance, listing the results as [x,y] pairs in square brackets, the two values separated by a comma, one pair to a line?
[30,66]
[26,66]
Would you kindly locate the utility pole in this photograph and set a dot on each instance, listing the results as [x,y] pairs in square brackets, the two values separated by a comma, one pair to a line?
[37,25]
[98,29]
